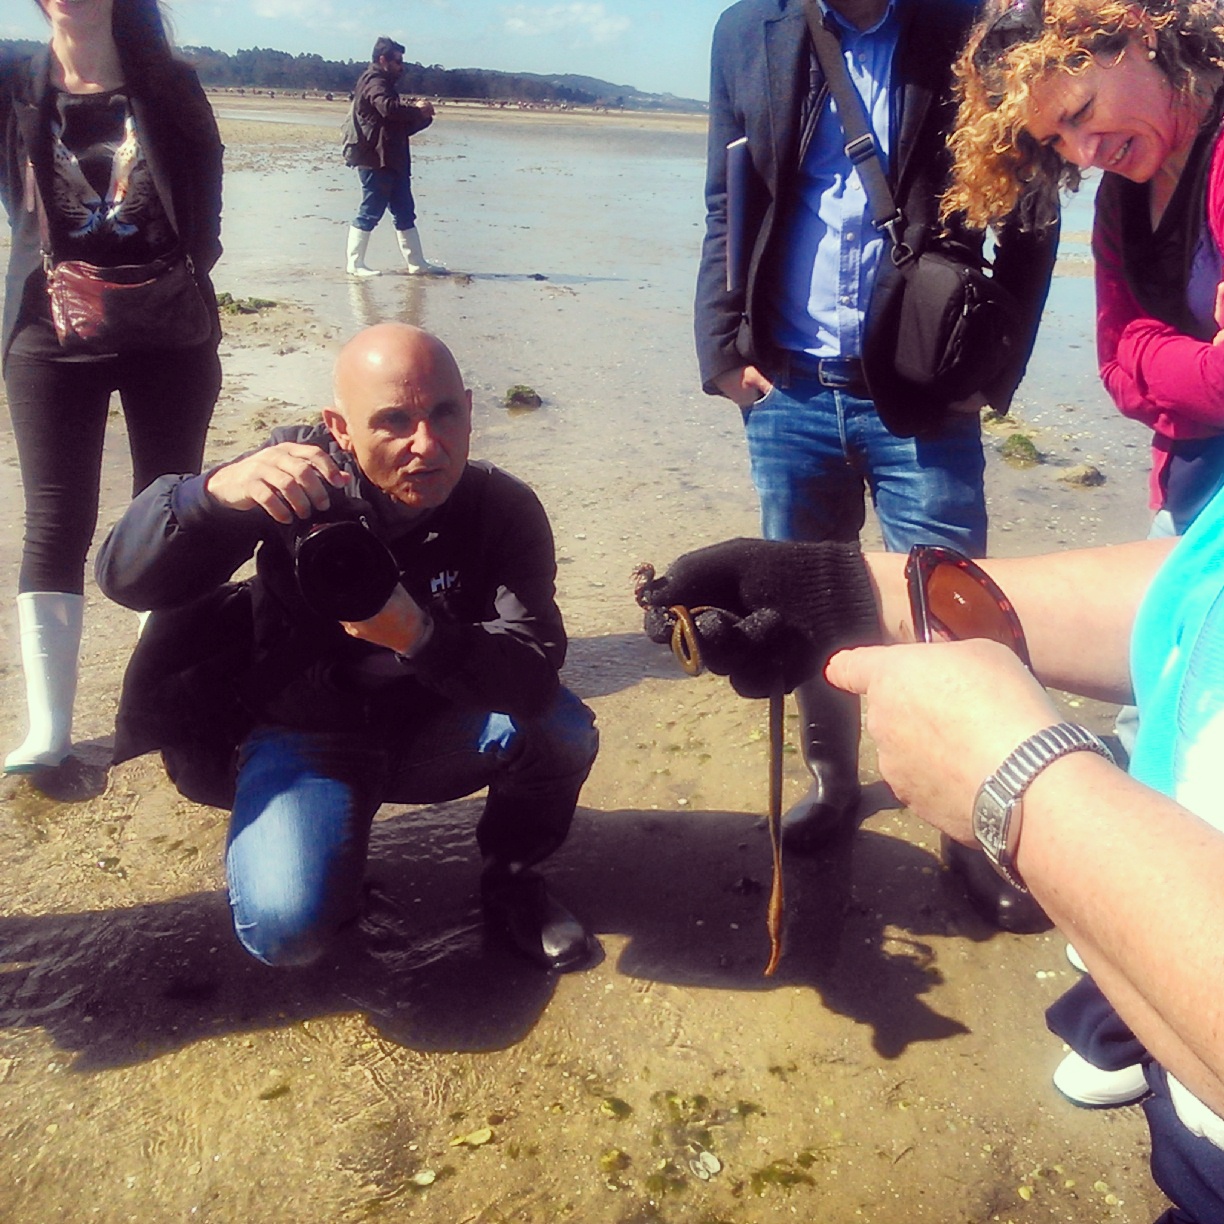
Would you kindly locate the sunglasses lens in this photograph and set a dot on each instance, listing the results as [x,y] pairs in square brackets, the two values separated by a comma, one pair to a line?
[1020,22]
[964,608]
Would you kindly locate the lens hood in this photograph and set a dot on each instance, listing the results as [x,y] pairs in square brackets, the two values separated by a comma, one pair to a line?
[344,571]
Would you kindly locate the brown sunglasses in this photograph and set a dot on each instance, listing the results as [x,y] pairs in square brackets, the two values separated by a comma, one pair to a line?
[952,598]
[1020,21]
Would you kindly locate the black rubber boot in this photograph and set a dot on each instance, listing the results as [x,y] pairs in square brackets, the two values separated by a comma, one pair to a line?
[829,740]
[519,908]
[989,893]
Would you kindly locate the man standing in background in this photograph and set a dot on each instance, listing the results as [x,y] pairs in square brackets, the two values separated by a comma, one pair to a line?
[386,121]
[780,328]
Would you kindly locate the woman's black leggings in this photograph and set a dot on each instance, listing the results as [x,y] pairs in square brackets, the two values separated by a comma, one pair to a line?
[59,411]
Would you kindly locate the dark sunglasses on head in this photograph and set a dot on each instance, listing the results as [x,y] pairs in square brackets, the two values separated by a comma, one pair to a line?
[1020,22]
[953,598]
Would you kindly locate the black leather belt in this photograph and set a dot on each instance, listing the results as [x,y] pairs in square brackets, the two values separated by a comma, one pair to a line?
[842,373]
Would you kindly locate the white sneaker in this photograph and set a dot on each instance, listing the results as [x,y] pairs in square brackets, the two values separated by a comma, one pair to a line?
[1083,1084]
[1077,961]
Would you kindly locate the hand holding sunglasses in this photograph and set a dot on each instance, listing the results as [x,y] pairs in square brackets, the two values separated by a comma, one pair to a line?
[952,599]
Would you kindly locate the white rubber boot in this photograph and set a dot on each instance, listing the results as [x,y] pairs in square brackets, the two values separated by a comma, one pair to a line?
[414,257]
[50,642]
[355,265]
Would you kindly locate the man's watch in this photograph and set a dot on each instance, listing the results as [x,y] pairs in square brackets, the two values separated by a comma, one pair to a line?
[998,810]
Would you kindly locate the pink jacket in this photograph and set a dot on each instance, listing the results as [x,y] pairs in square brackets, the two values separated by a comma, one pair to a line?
[1156,374]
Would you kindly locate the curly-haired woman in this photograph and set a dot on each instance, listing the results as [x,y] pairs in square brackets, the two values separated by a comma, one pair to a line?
[1050,90]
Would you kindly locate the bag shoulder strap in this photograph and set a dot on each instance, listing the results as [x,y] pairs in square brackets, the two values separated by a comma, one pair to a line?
[861,146]
[34,195]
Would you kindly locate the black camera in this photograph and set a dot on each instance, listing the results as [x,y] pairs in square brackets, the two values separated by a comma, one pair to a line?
[344,571]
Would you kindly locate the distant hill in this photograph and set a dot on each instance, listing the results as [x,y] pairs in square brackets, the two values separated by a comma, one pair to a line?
[265,68]
[18,46]
[630,98]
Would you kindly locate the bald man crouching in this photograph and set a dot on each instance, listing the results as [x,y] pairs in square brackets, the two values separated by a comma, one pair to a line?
[447,685]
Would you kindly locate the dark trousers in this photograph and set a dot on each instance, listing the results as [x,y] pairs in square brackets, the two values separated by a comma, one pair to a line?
[59,411]
[1188,1168]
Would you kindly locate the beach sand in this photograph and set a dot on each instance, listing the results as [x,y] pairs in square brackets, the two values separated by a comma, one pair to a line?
[897,1067]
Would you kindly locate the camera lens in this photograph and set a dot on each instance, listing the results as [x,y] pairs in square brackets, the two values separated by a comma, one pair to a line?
[344,572]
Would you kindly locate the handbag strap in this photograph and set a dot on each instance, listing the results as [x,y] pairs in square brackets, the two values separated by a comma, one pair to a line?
[861,146]
[34,194]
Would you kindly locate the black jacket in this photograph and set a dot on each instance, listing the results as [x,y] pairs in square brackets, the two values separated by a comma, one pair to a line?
[178,134]
[387,119]
[762,70]
[482,563]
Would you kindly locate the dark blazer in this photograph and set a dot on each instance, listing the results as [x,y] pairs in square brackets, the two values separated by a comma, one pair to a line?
[483,563]
[762,70]
[178,133]
[387,119]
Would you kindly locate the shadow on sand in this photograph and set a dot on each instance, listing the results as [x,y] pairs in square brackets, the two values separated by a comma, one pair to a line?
[686,890]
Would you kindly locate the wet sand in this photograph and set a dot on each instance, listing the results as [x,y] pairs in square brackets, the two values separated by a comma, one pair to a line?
[897,1067]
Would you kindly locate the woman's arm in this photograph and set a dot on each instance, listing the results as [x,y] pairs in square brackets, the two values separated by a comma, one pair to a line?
[1130,876]
[1172,382]
[1077,609]
[208,154]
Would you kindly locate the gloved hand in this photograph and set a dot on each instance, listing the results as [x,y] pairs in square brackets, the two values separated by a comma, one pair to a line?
[778,609]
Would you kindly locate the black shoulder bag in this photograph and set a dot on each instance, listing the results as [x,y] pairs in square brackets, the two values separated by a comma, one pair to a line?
[954,329]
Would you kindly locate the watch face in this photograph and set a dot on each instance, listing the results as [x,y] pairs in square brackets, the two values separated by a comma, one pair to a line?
[990,816]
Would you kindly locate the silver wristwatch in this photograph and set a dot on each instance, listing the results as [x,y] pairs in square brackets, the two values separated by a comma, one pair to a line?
[997,810]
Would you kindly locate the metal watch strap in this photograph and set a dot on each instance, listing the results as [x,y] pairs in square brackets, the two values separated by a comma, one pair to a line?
[1014,776]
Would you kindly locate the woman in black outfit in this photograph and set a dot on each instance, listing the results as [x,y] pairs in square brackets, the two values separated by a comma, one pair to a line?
[115,138]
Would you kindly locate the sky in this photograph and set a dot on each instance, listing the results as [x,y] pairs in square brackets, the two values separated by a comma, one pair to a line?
[657,46]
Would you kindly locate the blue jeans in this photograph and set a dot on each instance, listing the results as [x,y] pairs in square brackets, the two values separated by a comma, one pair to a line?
[383,189]
[300,827]
[813,448]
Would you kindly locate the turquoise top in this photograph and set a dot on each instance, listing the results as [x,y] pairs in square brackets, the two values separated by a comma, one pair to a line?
[1177,664]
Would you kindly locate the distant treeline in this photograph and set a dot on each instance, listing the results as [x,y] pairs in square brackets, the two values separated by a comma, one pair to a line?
[264,68]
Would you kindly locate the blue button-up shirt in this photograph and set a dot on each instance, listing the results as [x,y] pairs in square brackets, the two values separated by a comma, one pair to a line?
[831,249]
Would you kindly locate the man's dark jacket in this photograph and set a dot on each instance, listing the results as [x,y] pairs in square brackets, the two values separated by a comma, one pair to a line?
[483,564]
[763,68]
[387,119]
[180,142]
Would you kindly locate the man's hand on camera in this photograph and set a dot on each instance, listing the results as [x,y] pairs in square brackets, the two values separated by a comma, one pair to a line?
[402,626]
[287,481]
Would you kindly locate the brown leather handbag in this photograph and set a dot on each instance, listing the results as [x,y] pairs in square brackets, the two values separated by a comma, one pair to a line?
[129,308]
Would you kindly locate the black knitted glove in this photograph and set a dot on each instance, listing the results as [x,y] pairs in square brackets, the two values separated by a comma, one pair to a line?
[778,609]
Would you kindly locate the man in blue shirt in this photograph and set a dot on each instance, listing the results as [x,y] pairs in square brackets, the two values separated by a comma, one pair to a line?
[781,329]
